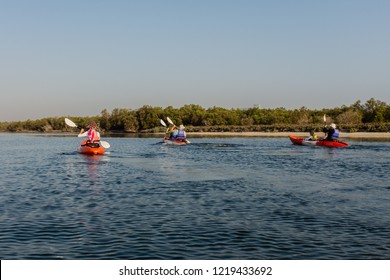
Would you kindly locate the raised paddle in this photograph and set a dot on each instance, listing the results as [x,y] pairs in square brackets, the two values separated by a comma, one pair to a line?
[324,125]
[166,132]
[170,121]
[70,123]
[104,144]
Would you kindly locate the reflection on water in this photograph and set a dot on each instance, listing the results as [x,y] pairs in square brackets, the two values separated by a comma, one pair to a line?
[220,198]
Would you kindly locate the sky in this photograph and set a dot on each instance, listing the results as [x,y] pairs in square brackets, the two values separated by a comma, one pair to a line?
[78,57]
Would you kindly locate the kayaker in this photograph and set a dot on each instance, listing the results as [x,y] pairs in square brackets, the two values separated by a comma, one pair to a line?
[180,133]
[332,132]
[91,133]
[313,136]
[169,132]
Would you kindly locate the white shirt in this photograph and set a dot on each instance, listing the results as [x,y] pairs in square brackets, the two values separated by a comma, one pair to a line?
[85,134]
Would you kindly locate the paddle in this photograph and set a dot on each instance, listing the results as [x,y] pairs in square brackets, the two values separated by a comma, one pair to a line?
[70,123]
[165,125]
[170,121]
[104,144]
[324,125]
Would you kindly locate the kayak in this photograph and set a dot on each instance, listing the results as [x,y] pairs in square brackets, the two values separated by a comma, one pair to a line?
[91,148]
[324,143]
[171,141]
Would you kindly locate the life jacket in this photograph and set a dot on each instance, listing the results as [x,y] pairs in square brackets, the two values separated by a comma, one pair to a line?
[181,135]
[93,135]
[336,134]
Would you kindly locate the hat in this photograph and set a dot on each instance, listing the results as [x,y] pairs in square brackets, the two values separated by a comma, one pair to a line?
[332,125]
[92,125]
[181,127]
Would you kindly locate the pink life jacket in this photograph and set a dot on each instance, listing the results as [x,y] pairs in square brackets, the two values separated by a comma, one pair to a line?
[92,135]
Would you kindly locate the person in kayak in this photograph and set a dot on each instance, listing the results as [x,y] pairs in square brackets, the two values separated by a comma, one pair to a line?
[332,132]
[169,132]
[312,137]
[91,133]
[180,134]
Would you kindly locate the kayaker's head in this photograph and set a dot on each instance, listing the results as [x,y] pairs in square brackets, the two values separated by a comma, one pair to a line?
[93,125]
[181,127]
[332,125]
[311,132]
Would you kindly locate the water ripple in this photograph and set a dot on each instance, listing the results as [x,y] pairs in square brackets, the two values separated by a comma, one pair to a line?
[213,199]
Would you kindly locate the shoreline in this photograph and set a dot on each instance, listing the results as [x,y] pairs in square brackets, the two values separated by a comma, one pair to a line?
[379,135]
[286,134]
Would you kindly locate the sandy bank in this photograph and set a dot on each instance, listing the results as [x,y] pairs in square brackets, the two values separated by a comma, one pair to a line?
[286,134]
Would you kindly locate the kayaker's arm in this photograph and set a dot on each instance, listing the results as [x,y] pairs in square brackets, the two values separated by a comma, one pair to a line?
[82,133]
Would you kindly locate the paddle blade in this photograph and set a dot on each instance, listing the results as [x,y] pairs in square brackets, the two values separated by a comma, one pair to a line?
[105,144]
[163,123]
[324,118]
[169,120]
[70,123]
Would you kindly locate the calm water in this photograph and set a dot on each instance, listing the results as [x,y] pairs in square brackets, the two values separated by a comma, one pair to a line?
[218,198]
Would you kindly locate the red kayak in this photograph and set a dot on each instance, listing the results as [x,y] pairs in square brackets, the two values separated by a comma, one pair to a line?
[296,140]
[91,148]
[171,141]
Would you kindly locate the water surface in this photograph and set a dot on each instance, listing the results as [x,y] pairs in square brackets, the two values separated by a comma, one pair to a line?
[218,198]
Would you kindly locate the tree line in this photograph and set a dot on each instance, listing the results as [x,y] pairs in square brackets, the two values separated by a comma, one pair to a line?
[371,116]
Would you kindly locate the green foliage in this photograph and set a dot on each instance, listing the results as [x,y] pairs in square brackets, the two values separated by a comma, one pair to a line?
[351,116]
[120,120]
[147,117]
[220,116]
[373,115]
[374,111]
[190,114]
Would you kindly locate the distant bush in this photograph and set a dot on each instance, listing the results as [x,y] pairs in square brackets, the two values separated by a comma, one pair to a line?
[373,116]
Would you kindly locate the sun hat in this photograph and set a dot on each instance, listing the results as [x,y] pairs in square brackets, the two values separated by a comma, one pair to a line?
[181,127]
[332,125]
[92,125]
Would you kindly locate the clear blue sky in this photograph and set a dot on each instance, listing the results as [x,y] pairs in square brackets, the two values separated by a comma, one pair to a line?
[78,57]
